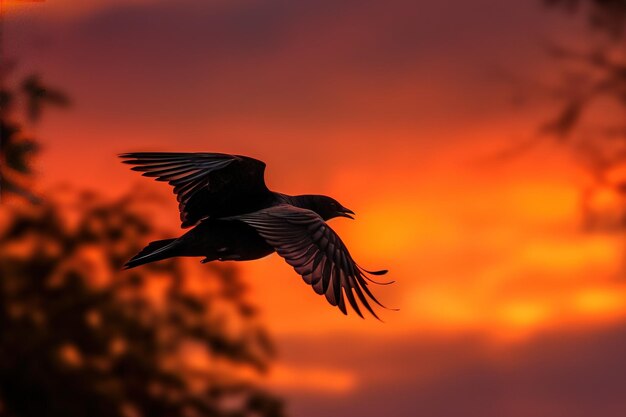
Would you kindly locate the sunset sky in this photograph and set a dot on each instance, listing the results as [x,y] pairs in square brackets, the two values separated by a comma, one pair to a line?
[397,109]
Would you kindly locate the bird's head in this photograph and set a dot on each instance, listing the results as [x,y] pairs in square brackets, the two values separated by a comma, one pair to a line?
[327,207]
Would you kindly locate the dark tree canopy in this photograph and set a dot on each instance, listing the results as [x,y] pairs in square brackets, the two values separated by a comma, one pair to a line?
[80,338]
[591,115]
[604,15]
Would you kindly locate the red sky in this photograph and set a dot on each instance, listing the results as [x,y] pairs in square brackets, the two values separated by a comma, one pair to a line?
[394,108]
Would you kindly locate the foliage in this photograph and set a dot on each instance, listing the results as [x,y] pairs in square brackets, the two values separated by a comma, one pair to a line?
[604,15]
[78,337]
[591,118]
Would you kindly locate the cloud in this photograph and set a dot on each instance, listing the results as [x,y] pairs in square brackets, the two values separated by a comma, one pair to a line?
[560,374]
[309,62]
[303,379]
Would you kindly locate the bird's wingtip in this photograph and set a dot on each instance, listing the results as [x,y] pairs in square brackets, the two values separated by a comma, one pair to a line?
[377,273]
[127,158]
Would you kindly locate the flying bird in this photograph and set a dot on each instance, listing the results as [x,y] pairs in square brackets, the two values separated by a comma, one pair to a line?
[235,217]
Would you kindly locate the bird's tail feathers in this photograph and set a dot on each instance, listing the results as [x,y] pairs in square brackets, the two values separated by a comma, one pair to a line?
[155,251]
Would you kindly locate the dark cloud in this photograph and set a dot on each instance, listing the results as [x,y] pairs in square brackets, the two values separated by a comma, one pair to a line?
[242,76]
[313,62]
[556,374]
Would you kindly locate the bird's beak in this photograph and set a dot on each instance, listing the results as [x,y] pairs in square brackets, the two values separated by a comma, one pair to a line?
[346,213]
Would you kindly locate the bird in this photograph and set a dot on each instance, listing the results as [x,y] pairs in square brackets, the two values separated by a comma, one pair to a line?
[232,215]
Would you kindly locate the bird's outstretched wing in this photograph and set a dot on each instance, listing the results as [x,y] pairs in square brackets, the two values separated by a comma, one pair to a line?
[205,184]
[316,252]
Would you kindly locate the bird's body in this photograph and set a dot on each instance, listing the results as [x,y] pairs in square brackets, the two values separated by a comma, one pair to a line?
[235,217]
[213,240]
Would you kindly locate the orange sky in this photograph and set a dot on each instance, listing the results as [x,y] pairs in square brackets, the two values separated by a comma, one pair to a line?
[394,109]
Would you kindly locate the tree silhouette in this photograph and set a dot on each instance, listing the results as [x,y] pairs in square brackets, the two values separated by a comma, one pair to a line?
[39,95]
[604,15]
[591,118]
[80,338]
[15,149]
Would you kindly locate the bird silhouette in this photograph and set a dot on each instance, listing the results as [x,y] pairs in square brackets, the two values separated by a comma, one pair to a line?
[237,218]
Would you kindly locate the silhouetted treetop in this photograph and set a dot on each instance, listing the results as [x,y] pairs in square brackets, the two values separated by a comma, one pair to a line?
[604,15]
[78,337]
